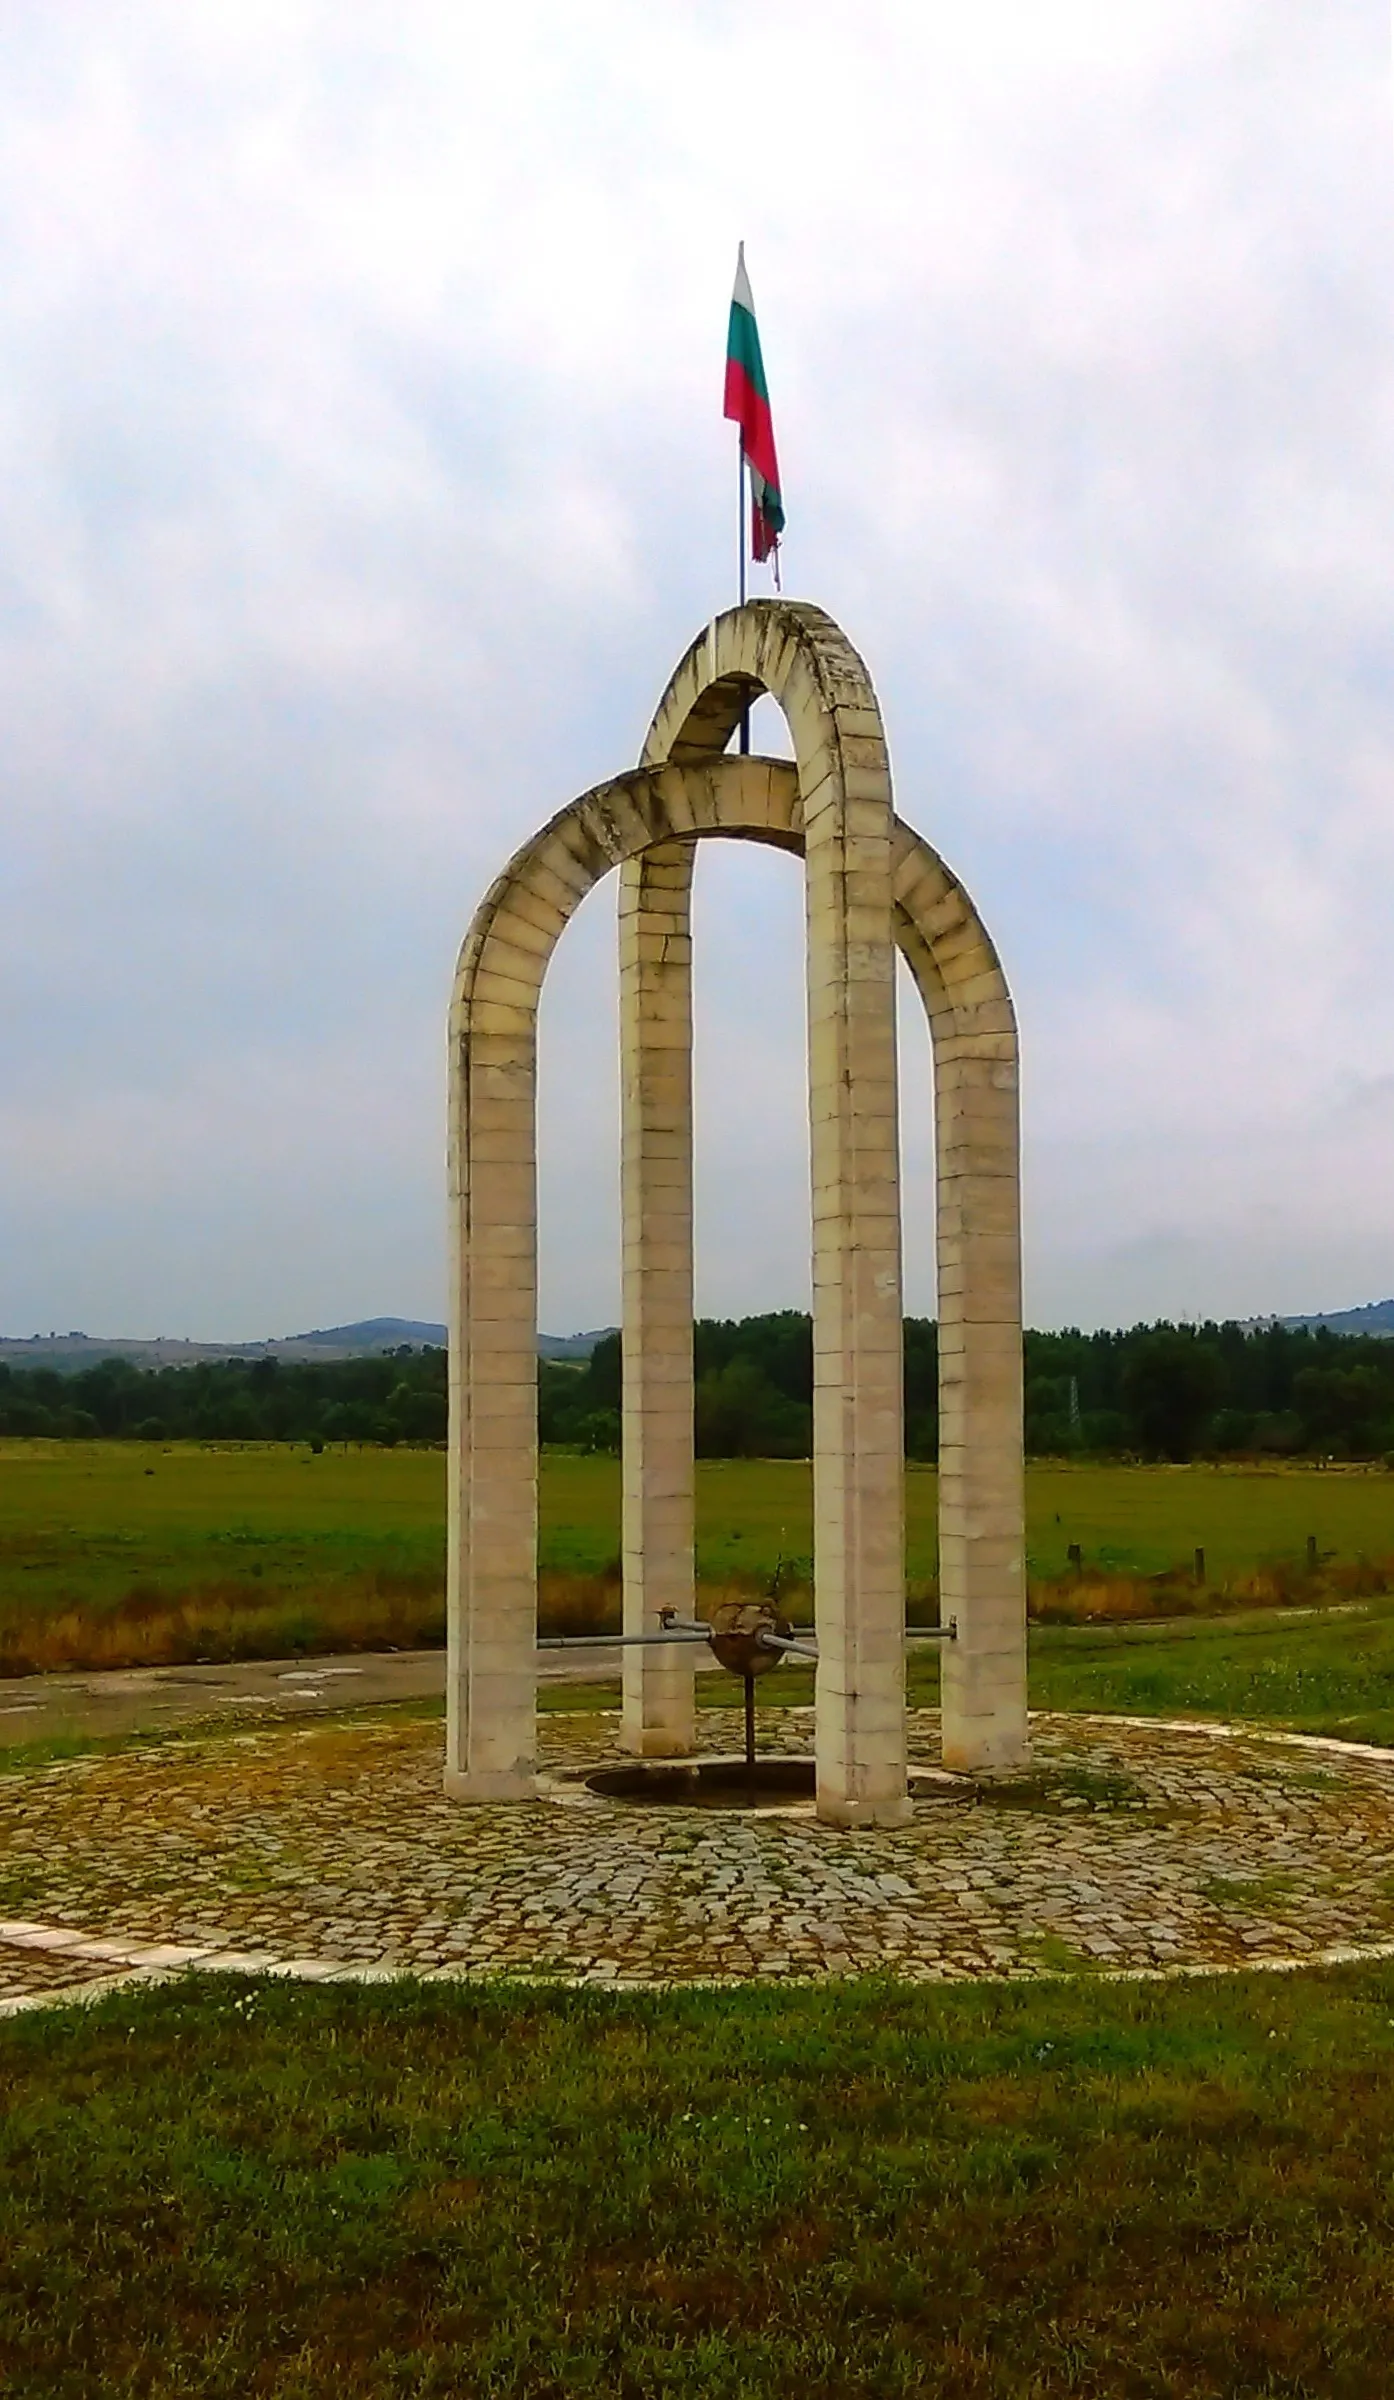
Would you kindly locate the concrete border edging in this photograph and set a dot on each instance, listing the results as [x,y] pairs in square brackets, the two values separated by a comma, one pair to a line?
[312,1970]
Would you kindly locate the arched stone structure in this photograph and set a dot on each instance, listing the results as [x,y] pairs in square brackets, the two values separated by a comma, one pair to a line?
[870,882]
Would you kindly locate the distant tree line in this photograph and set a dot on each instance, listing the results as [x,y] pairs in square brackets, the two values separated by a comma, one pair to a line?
[397,1398]
[1157,1391]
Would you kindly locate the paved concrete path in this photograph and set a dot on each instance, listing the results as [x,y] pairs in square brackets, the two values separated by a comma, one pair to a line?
[128,1700]
[125,1700]
[327,1851]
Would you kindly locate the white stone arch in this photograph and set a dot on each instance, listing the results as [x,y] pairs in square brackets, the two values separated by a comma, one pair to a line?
[492,1571]
[842,805]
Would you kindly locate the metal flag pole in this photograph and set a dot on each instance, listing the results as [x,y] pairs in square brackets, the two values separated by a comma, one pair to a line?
[740,569]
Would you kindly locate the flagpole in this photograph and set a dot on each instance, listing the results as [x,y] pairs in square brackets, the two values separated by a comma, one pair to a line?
[740,571]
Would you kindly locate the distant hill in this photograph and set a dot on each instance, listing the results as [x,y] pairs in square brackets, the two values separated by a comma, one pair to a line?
[1376,1317]
[71,1353]
[390,1333]
[370,1335]
[571,1345]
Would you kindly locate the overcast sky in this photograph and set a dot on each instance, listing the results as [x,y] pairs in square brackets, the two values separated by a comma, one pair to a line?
[364,477]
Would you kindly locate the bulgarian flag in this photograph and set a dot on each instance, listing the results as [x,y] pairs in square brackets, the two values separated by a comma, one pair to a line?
[748,401]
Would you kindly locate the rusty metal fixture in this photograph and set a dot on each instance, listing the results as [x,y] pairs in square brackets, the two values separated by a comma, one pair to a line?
[747,1638]
[737,1636]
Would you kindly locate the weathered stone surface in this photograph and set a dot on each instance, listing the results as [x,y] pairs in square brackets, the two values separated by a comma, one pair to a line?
[656,1201]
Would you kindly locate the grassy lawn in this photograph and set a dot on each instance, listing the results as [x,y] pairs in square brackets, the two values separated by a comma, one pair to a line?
[111,1511]
[1328,1673]
[990,2194]
[93,1518]
[265,1549]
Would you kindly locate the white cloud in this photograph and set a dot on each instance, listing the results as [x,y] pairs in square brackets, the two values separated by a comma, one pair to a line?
[362,474]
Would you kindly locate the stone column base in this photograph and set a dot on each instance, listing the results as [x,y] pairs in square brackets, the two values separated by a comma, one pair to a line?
[499,1784]
[986,1750]
[850,1814]
[654,1741]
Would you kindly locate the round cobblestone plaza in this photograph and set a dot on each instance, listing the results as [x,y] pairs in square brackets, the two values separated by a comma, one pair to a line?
[328,1850]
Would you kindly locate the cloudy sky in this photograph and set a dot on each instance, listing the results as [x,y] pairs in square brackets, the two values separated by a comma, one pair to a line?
[364,476]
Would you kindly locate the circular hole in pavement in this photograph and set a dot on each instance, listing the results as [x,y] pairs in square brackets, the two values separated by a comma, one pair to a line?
[708,1783]
[730,1783]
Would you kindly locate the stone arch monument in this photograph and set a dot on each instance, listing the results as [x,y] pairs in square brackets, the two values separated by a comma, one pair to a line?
[872,884]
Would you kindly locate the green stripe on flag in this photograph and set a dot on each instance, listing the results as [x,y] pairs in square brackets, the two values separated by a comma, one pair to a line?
[743,346]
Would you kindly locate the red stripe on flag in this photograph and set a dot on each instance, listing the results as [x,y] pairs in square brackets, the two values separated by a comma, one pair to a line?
[751,411]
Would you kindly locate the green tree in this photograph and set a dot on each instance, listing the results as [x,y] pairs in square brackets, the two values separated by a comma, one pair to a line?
[741,1414]
[1171,1383]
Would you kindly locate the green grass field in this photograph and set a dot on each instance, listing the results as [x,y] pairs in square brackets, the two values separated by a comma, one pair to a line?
[1327,1671]
[991,2194]
[104,1545]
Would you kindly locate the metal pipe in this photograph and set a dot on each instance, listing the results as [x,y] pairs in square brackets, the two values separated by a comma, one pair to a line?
[781,1642]
[675,1630]
[795,1649]
[610,1641]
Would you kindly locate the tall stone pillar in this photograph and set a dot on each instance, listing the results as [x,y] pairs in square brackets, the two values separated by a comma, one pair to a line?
[858,1442]
[656,1208]
[796,653]
[492,1574]
[982,1551]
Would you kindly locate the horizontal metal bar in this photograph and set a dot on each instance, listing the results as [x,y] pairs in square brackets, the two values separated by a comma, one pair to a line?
[679,1633]
[775,1641]
[611,1641]
[779,1641]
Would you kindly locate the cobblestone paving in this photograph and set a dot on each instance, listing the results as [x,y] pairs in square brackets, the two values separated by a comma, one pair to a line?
[27,1971]
[1131,1846]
